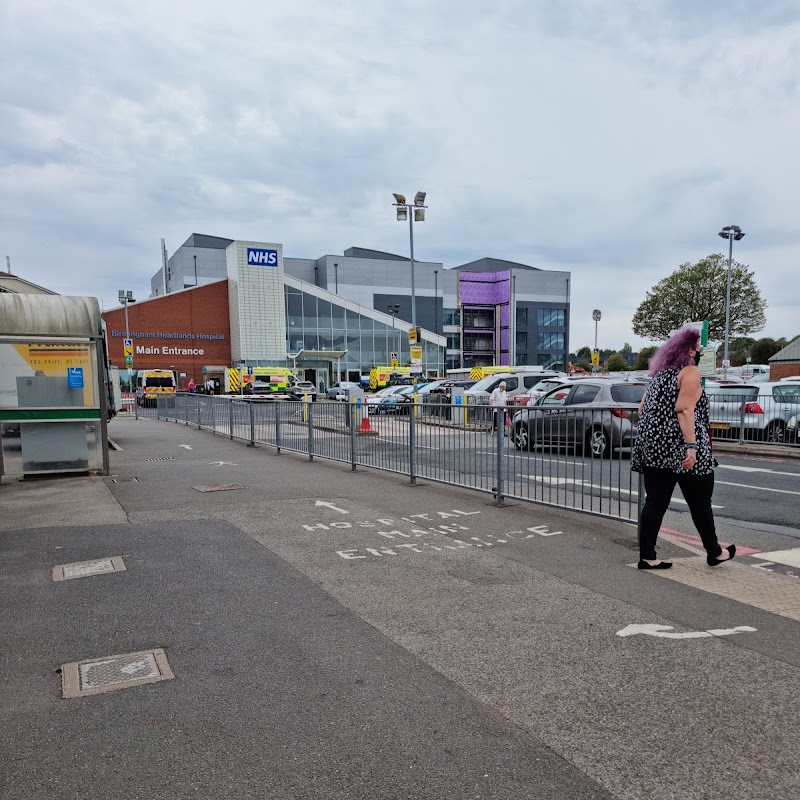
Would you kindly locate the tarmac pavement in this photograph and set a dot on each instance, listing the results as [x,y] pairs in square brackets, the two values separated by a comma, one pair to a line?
[347,635]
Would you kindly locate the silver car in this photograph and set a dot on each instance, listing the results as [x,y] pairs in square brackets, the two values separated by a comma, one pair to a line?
[755,411]
[595,417]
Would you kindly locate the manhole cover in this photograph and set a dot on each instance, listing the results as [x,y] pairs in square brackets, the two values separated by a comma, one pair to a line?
[124,480]
[87,569]
[161,458]
[99,675]
[219,487]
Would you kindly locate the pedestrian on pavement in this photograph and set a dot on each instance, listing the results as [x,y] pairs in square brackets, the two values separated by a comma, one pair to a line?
[497,400]
[191,385]
[674,446]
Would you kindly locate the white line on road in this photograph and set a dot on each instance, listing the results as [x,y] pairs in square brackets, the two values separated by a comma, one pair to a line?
[757,488]
[759,469]
[186,446]
[664,631]
[331,506]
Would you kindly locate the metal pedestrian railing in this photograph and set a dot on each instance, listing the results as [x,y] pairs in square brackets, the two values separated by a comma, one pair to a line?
[563,461]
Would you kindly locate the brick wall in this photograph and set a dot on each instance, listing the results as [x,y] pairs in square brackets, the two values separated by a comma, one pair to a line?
[778,371]
[202,312]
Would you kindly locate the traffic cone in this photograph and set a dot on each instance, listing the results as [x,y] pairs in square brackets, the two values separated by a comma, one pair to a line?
[365,426]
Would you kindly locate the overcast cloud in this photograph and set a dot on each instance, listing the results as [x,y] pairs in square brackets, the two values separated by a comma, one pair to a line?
[612,139]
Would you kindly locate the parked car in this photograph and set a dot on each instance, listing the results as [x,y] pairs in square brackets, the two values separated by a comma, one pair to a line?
[538,391]
[761,410]
[400,402]
[592,416]
[375,401]
[339,390]
[793,430]
[302,388]
[517,383]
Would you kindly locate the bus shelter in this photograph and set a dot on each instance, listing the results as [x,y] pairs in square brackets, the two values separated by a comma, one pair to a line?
[53,400]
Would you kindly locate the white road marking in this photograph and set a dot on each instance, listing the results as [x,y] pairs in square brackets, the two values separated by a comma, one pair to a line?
[186,446]
[757,488]
[222,464]
[663,631]
[758,469]
[331,506]
[791,558]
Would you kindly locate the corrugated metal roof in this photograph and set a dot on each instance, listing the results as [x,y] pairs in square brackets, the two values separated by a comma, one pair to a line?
[49,315]
[789,353]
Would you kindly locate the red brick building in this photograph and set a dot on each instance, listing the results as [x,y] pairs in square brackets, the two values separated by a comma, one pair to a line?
[186,331]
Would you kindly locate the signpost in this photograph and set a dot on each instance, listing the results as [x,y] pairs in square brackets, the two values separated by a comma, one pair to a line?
[416,360]
[393,360]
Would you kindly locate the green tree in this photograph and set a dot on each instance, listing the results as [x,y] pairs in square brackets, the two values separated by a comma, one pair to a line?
[626,348]
[584,353]
[741,343]
[616,363]
[584,365]
[643,357]
[696,292]
[763,350]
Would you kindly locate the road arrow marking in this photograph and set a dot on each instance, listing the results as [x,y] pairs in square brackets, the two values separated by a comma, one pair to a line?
[331,506]
[663,631]
[187,446]
[222,463]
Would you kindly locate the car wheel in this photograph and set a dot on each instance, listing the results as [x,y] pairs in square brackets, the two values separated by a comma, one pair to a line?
[776,432]
[598,443]
[521,437]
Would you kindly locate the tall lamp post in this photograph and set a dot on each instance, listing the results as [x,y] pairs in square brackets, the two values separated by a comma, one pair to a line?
[394,310]
[436,318]
[403,214]
[126,297]
[729,232]
[596,316]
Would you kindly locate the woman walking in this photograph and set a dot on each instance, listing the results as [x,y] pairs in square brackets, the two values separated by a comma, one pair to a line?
[674,446]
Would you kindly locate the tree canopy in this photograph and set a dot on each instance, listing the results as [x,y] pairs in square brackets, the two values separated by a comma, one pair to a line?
[697,292]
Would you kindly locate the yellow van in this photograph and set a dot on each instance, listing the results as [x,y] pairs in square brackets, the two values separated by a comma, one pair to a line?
[150,383]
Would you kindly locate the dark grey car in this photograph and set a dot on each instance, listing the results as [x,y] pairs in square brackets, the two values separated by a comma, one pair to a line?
[594,417]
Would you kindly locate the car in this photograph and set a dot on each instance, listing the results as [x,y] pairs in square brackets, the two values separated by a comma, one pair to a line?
[755,411]
[592,416]
[539,390]
[400,402]
[339,390]
[517,383]
[375,401]
[793,430]
[302,389]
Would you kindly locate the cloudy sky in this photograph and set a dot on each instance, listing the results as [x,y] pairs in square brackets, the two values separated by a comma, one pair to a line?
[612,139]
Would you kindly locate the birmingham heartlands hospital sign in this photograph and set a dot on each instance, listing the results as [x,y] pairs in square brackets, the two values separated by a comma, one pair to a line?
[259,257]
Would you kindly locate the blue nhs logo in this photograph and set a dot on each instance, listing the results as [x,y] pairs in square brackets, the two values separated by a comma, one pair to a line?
[258,257]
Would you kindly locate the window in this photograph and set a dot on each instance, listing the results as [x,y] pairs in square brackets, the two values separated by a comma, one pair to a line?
[550,341]
[522,317]
[451,316]
[551,317]
[529,381]
[556,398]
[522,359]
[453,341]
[584,394]
[522,340]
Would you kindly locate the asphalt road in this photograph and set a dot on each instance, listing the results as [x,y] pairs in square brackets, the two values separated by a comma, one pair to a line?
[349,635]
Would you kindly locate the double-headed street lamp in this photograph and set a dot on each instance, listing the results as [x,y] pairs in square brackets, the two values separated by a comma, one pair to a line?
[729,232]
[403,209]
[125,298]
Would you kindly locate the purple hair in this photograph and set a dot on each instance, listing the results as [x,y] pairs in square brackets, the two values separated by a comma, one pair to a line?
[675,351]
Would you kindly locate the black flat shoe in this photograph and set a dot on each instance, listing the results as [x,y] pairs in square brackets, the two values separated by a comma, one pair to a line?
[663,565]
[713,562]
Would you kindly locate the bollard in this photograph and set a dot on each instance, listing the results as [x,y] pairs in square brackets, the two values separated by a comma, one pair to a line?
[310,431]
[351,408]
[500,417]
[252,425]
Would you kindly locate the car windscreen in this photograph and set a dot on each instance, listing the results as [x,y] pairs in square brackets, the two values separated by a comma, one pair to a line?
[484,384]
[627,392]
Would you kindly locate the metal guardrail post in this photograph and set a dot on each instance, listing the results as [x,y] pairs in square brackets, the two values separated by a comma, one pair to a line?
[310,432]
[230,418]
[500,417]
[186,399]
[197,397]
[741,421]
[351,415]
[252,425]
[277,407]
[412,445]
[135,406]
[213,415]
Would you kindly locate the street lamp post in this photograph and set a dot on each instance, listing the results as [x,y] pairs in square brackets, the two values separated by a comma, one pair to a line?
[436,316]
[403,209]
[126,297]
[394,309]
[729,232]
[596,316]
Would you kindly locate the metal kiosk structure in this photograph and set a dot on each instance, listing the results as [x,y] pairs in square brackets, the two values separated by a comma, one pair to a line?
[53,398]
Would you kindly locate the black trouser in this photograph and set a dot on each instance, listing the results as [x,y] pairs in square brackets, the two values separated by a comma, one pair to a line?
[498,417]
[697,491]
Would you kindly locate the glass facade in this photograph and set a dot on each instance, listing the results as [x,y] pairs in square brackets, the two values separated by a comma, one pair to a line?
[313,323]
[551,317]
[550,341]
[451,316]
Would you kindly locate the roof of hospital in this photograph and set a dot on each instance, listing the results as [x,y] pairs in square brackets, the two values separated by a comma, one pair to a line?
[487,264]
[789,353]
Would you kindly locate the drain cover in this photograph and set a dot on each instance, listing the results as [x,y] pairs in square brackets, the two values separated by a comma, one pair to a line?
[99,675]
[124,480]
[219,487]
[87,569]
[161,458]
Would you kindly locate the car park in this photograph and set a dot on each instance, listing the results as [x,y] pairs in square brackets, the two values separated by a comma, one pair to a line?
[595,417]
[756,411]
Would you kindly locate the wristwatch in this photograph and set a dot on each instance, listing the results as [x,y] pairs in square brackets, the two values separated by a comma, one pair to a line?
[690,446]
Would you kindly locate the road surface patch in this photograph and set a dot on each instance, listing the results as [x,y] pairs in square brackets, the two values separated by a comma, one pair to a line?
[218,487]
[778,594]
[88,569]
[100,675]
[791,558]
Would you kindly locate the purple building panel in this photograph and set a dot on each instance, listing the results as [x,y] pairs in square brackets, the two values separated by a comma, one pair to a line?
[484,288]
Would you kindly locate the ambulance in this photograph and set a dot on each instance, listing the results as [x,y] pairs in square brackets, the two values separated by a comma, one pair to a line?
[263,380]
[153,383]
[381,377]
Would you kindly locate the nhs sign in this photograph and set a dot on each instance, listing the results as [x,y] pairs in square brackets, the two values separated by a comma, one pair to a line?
[257,257]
